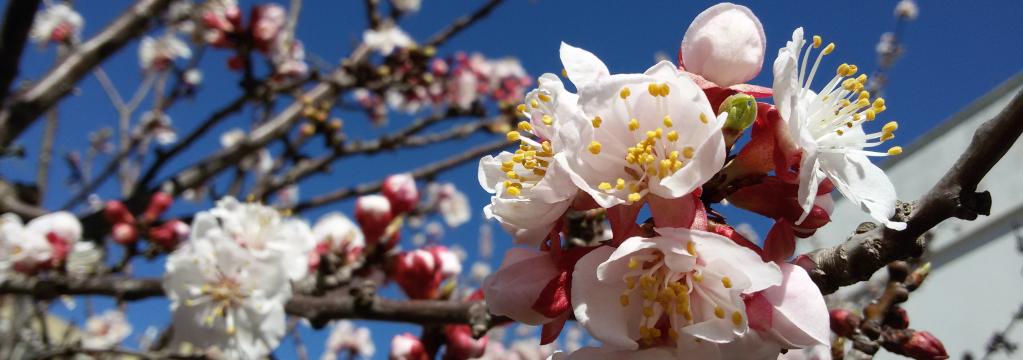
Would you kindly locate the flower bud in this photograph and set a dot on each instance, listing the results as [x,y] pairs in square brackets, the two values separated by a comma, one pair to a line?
[158,204]
[124,233]
[115,212]
[844,322]
[170,234]
[407,347]
[267,22]
[742,112]
[461,345]
[401,191]
[923,345]
[897,318]
[373,213]
[418,273]
[449,264]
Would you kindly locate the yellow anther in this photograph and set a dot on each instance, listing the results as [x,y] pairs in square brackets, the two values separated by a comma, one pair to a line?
[828,49]
[513,136]
[843,70]
[719,312]
[547,120]
[525,126]
[667,121]
[624,300]
[633,264]
[870,114]
[539,172]
[737,318]
[843,103]
[605,186]
[648,311]
[513,191]
[879,103]
[691,248]
[665,89]
[864,95]
[633,124]
[698,277]
[544,97]
[594,147]
[726,282]
[890,127]
[688,152]
[564,73]
[620,185]
[634,197]
[630,282]
[703,118]
[596,121]
[887,136]
[231,330]
[840,132]
[512,175]
[862,103]
[853,69]
[673,136]
[895,150]
[624,93]
[534,104]
[653,89]
[817,41]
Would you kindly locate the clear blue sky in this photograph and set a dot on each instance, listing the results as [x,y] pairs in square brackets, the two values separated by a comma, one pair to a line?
[956,51]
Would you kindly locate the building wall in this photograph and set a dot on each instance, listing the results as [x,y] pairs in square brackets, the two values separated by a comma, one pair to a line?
[976,284]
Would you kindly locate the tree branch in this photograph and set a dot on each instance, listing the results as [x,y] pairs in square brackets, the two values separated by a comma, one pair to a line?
[17,24]
[462,23]
[27,106]
[953,196]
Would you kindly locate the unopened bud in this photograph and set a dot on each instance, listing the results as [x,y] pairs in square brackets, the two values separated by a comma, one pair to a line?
[923,345]
[374,214]
[897,318]
[124,233]
[158,204]
[918,276]
[408,347]
[115,212]
[742,112]
[170,234]
[460,343]
[401,191]
[844,322]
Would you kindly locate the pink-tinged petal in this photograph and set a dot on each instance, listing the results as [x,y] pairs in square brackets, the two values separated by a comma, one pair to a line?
[713,247]
[623,221]
[610,353]
[675,213]
[583,68]
[863,183]
[515,286]
[809,179]
[675,256]
[780,242]
[759,312]
[756,91]
[550,331]
[801,316]
[724,44]
[597,307]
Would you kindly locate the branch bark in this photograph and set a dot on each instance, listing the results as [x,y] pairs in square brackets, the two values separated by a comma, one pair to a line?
[955,195]
[17,23]
[27,106]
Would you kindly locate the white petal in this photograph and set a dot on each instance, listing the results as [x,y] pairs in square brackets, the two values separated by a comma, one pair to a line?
[512,289]
[582,66]
[596,304]
[712,247]
[800,315]
[610,353]
[863,183]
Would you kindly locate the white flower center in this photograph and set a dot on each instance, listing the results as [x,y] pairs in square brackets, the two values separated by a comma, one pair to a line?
[840,106]
[224,295]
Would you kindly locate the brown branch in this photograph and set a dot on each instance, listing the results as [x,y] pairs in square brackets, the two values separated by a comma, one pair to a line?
[462,23]
[422,172]
[361,304]
[27,106]
[401,139]
[953,196]
[17,23]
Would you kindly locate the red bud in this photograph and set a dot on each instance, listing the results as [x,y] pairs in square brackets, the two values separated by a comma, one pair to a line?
[843,322]
[124,233]
[158,204]
[461,344]
[373,213]
[408,347]
[115,212]
[170,234]
[401,191]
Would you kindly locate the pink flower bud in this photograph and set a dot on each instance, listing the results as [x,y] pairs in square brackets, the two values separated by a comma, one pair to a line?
[170,234]
[158,204]
[400,190]
[124,233]
[419,274]
[115,212]
[448,263]
[461,345]
[923,345]
[407,347]
[844,322]
[373,213]
[267,22]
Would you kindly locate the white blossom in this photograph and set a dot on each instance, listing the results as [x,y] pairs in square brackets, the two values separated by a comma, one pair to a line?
[105,330]
[57,23]
[265,233]
[386,39]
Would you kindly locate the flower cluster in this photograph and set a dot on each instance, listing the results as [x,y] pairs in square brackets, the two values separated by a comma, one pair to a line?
[42,244]
[684,284]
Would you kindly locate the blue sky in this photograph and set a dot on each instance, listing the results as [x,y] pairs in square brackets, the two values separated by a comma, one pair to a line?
[955,52]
